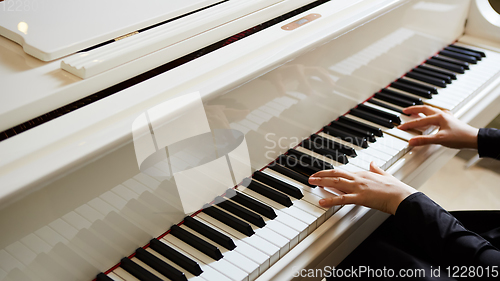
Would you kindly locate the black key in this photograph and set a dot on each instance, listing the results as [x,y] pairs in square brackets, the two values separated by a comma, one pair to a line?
[394,100]
[464,52]
[137,270]
[470,50]
[176,257]
[103,277]
[351,122]
[333,145]
[412,89]
[446,65]
[270,193]
[418,85]
[228,220]
[445,78]
[402,96]
[354,130]
[278,184]
[251,203]
[395,119]
[239,211]
[293,164]
[462,57]
[210,233]
[332,154]
[372,118]
[310,160]
[362,133]
[162,267]
[376,102]
[463,64]
[291,174]
[196,242]
[359,141]
[450,74]
[428,79]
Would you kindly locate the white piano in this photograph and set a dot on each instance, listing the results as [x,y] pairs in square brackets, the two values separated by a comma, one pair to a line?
[90,92]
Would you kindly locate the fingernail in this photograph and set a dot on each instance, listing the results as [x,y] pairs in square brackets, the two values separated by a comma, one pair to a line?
[322,202]
[313,179]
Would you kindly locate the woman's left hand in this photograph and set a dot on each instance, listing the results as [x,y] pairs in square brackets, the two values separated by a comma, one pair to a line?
[375,188]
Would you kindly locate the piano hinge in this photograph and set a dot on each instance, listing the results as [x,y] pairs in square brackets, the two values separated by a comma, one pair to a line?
[126,35]
[300,22]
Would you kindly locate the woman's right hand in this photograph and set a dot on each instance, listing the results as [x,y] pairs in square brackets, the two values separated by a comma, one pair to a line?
[452,133]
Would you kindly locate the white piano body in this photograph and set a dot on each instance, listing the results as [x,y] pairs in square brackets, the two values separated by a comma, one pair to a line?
[54,176]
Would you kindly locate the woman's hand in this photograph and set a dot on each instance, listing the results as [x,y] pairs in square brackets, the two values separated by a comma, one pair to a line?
[375,189]
[452,132]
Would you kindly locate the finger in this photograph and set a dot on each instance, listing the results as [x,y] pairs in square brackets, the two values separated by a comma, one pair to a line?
[376,169]
[423,140]
[334,173]
[339,200]
[420,122]
[339,183]
[425,109]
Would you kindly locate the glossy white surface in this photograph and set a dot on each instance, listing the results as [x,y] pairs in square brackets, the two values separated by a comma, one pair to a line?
[49,30]
[274,86]
[88,64]
[483,21]
[50,87]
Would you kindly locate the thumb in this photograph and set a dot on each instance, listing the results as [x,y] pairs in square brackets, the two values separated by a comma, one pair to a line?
[376,169]
[423,140]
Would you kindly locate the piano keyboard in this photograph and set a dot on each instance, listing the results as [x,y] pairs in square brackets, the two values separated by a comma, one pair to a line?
[247,229]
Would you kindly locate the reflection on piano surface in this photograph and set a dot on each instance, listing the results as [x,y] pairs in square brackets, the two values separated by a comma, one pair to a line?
[77,202]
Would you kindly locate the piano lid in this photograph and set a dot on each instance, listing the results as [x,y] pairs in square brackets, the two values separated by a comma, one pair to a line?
[51,29]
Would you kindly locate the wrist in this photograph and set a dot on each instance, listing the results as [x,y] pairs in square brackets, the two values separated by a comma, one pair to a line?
[472,138]
[400,197]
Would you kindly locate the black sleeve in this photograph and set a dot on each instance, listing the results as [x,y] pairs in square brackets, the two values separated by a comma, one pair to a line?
[488,143]
[441,235]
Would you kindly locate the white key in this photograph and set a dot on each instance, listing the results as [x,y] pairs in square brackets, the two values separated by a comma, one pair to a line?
[375,148]
[214,268]
[352,168]
[318,213]
[404,135]
[312,207]
[115,277]
[436,103]
[264,251]
[282,217]
[148,268]
[403,117]
[316,193]
[310,196]
[364,155]
[188,275]
[291,234]
[319,156]
[233,257]
[276,239]
[122,273]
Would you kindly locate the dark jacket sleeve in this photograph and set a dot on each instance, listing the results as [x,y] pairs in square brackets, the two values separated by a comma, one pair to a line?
[441,235]
[488,143]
